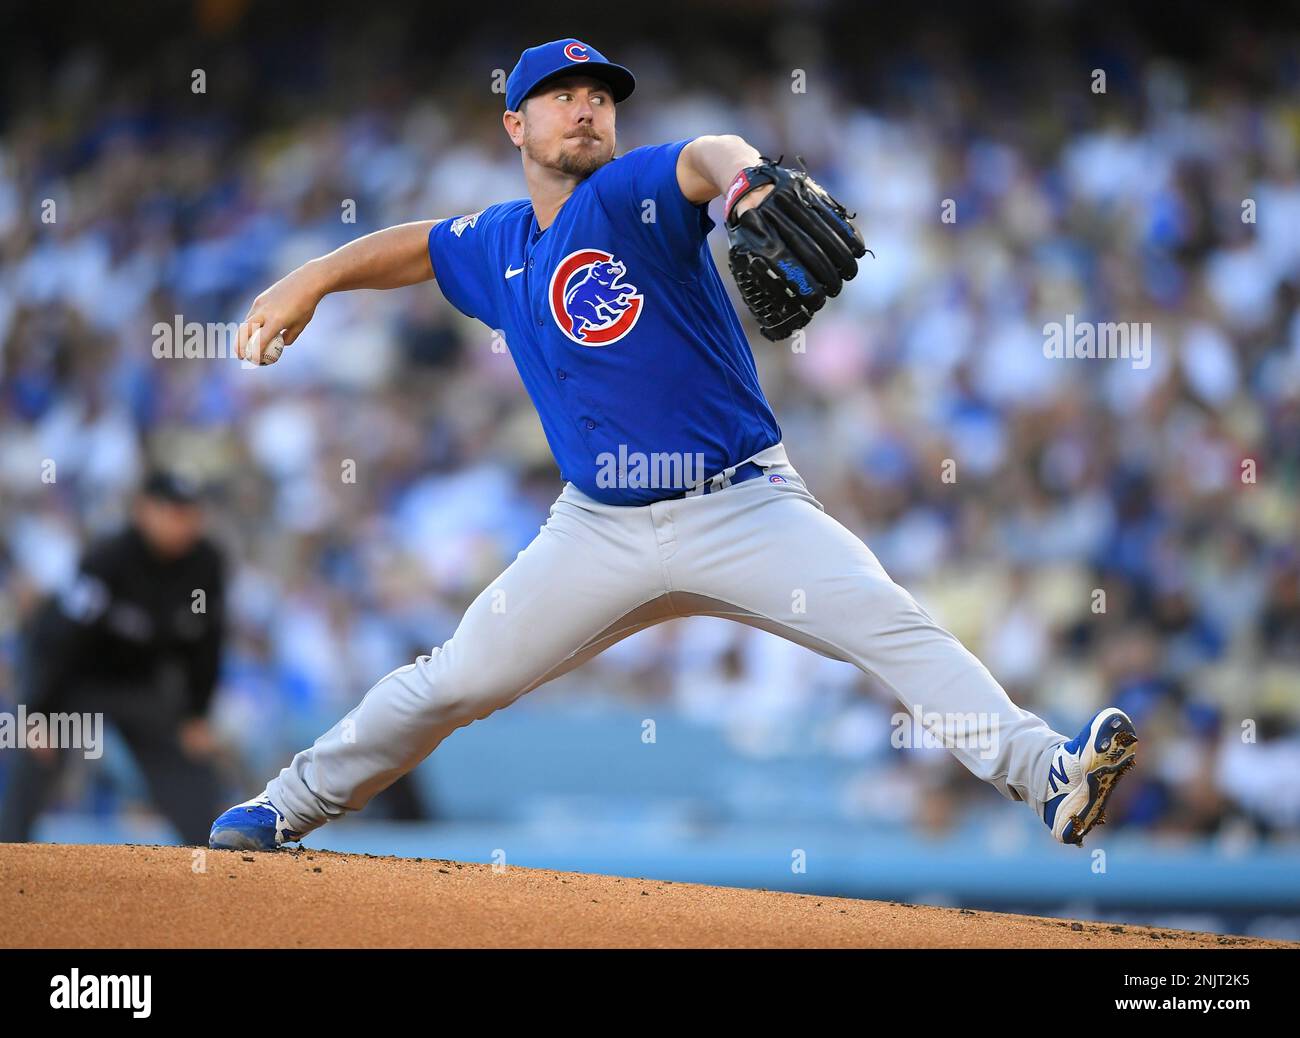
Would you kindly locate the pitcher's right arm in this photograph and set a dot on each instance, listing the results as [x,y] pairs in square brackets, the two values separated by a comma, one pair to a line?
[392,258]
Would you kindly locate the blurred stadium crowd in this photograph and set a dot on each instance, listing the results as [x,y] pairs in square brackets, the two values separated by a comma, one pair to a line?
[1072,476]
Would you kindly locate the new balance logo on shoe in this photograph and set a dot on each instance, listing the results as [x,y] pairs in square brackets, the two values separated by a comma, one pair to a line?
[1053,775]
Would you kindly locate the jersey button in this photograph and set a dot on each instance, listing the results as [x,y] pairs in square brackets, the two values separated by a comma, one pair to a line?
[590,424]
[539,322]
[562,373]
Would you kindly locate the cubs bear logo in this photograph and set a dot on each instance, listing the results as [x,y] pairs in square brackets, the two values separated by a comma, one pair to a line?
[590,301]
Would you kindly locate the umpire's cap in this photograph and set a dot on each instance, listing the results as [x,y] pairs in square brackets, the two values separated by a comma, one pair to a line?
[172,487]
[564,57]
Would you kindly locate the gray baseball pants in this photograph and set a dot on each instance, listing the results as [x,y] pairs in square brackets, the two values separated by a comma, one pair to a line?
[763,552]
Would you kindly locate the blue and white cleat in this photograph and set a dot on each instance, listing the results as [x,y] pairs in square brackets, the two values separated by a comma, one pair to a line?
[1084,772]
[254,825]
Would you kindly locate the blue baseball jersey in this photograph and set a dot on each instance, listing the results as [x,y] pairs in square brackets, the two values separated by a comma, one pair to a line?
[619,324]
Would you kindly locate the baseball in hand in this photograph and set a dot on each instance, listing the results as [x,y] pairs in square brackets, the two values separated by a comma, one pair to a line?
[254,353]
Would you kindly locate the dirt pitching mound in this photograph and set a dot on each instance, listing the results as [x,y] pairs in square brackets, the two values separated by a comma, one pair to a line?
[56,896]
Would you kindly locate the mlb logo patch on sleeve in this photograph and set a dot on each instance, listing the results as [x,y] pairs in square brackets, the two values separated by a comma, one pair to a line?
[459,224]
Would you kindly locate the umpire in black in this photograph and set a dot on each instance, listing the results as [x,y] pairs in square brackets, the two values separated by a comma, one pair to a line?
[137,636]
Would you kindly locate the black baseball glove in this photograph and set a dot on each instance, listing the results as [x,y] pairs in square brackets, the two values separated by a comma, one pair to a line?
[792,251]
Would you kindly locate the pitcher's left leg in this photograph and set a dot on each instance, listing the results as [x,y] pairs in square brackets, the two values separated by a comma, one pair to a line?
[767,554]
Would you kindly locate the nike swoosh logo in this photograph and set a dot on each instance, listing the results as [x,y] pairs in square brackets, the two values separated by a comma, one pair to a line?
[511,272]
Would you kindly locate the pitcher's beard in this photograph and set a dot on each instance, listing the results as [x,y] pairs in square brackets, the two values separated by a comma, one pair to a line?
[581,166]
[581,162]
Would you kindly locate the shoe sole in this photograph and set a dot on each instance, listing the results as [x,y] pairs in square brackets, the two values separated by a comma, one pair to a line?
[1118,758]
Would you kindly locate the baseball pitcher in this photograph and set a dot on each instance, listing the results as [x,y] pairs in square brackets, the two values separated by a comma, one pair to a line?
[678,498]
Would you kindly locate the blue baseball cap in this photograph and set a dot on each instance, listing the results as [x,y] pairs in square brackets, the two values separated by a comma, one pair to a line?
[564,57]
